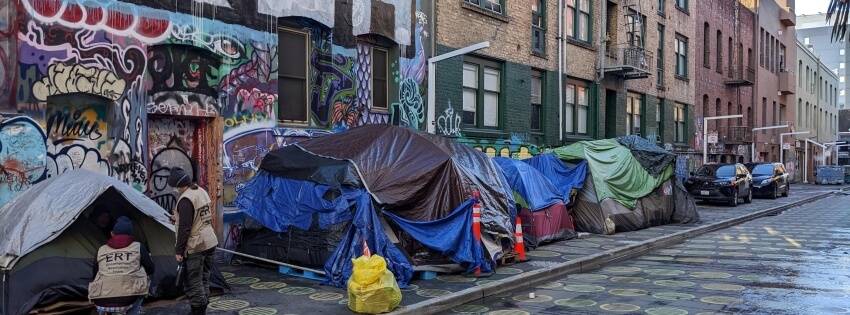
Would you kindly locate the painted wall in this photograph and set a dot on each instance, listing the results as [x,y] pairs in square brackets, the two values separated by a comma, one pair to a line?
[133,88]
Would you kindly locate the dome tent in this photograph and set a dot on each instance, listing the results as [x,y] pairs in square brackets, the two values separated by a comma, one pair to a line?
[48,245]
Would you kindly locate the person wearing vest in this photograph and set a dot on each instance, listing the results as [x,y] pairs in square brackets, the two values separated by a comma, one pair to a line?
[196,239]
[121,272]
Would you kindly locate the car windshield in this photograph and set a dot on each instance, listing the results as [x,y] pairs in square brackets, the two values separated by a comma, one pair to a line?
[763,169]
[723,171]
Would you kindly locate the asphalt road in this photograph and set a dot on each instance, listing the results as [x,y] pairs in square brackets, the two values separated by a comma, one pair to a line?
[792,263]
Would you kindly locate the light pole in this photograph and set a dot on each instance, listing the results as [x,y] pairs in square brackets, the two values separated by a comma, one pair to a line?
[705,133]
[431,118]
[753,156]
[782,144]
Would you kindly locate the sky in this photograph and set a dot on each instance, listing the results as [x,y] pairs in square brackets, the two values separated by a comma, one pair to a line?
[811,6]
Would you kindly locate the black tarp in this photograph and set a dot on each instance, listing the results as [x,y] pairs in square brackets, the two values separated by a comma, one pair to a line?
[653,158]
[414,175]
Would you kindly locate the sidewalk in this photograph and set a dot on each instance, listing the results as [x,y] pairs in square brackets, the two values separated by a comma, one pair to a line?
[260,291]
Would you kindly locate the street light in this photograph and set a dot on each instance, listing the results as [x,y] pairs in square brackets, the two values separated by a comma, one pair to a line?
[753,154]
[431,119]
[782,144]
[705,133]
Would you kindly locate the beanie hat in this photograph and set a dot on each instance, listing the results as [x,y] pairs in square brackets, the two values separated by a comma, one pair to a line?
[178,178]
[123,226]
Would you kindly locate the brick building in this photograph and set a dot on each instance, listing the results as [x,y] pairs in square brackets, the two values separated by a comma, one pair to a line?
[725,76]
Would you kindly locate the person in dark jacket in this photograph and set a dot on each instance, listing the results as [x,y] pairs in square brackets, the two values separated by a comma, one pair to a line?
[122,271]
[101,218]
[196,239]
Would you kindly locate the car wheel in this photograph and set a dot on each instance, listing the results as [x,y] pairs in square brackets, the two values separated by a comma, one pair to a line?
[775,193]
[734,201]
[787,189]
[749,198]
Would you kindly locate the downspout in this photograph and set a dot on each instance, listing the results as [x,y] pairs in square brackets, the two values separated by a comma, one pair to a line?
[561,66]
[603,44]
[754,96]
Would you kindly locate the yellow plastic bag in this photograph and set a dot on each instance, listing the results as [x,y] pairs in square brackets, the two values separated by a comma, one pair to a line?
[372,288]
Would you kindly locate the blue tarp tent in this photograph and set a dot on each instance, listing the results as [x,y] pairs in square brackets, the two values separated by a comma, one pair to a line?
[539,193]
[563,177]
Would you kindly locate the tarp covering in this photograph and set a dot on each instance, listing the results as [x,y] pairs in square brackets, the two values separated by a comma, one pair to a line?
[686,207]
[534,188]
[653,158]
[278,203]
[617,173]
[564,178]
[414,175]
[49,244]
[609,217]
[460,245]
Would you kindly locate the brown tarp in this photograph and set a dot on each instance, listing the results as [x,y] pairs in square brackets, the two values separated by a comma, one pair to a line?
[596,217]
[415,175]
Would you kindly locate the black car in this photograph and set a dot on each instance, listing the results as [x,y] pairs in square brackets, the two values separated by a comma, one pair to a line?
[721,182]
[769,179]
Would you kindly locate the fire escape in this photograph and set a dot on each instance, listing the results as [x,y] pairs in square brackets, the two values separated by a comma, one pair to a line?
[629,59]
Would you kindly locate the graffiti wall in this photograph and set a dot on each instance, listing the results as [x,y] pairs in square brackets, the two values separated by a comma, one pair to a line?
[516,147]
[132,91]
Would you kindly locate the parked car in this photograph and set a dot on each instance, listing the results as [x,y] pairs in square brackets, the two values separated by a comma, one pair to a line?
[721,182]
[769,179]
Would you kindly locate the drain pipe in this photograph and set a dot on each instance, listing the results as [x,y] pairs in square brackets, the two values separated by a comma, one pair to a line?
[603,45]
[561,66]
[5,291]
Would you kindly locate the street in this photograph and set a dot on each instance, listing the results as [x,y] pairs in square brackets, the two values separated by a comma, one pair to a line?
[793,263]
[760,262]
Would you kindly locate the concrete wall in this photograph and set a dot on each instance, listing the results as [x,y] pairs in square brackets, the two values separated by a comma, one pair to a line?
[815,30]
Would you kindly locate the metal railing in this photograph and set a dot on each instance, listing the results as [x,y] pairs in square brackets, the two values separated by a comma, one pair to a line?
[632,56]
[736,134]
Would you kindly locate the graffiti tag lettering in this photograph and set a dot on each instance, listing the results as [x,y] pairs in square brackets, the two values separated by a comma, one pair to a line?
[62,79]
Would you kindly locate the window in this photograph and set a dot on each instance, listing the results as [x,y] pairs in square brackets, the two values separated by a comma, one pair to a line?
[659,121]
[578,19]
[841,52]
[761,48]
[660,55]
[380,78]
[679,119]
[763,113]
[293,105]
[781,58]
[633,112]
[681,56]
[841,65]
[806,40]
[706,43]
[490,5]
[719,52]
[636,28]
[536,98]
[576,108]
[682,4]
[841,92]
[731,56]
[481,93]
[661,6]
[538,26]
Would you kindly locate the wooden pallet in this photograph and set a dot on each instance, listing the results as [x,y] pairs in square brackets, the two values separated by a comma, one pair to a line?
[62,308]
[508,259]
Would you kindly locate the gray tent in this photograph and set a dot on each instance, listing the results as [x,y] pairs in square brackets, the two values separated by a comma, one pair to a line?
[48,245]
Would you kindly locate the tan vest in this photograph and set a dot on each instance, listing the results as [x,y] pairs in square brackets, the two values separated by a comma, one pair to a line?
[202,236]
[120,273]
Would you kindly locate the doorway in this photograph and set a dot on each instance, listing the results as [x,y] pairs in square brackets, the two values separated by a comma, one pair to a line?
[610,114]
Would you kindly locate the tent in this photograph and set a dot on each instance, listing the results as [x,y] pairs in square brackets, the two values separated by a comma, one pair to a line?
[543,212]
[565,178]
[410,184]
[630,186]
[48,245]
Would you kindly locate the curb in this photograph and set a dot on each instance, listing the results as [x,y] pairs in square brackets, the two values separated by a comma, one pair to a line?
[587,263]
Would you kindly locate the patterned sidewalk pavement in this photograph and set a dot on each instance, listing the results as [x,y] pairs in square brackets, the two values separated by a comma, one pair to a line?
[260,291]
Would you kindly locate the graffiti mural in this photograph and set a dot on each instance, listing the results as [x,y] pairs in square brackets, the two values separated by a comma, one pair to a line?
[76,134]
[182,68]
[62,79]
[22,156]
[172,143]
[517,147]
[448,124]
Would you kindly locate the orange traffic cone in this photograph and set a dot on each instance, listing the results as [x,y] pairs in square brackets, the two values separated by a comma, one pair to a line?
[476,230]
[366,251]
[519,247]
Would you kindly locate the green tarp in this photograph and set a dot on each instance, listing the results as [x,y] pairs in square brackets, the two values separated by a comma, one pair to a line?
[616,173]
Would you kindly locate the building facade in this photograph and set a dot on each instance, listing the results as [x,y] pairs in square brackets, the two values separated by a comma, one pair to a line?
[725,63]
[774,96]
[133,88]
[816,34]
[817,107]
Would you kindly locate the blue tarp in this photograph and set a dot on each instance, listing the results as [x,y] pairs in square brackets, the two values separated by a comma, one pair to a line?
[563,177]
[278,203]
[537,190]
[459,243]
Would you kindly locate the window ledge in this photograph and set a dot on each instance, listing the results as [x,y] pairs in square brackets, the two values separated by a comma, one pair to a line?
[292,124]
[581,44]
[682,78]
[539,54]
[683,10]
[662,14]
[480,10]
[575,138]
[484,133]
[661,87]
